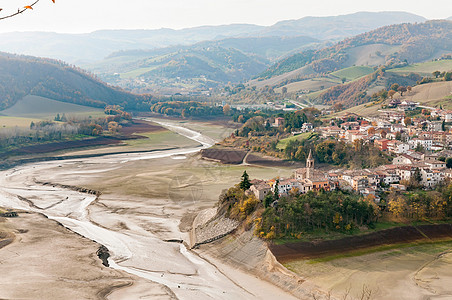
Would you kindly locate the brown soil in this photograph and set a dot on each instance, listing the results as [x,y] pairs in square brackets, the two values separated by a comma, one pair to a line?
[225,156]
[58,146]
[256,159]
[139,126]
[316,249]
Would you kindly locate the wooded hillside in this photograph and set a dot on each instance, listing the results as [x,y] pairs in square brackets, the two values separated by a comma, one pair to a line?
[25,75]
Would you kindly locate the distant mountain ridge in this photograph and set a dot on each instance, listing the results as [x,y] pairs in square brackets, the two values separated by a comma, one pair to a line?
[339,27]
[266,47]
[82,48]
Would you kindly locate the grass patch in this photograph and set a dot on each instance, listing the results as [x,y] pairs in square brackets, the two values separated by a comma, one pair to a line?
[282,144]
[35,107]
[426,68]
[137,72]
[352,73]
[314,84]
[8,122]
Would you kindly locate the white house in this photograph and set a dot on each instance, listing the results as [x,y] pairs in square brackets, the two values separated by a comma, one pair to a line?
[426,143]
[431,178]
[435,164]
[404,159]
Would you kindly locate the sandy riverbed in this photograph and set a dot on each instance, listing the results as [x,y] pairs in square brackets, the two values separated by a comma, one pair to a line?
[146,199]
[47,261]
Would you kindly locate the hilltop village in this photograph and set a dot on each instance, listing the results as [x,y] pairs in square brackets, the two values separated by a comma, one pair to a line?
[420,147]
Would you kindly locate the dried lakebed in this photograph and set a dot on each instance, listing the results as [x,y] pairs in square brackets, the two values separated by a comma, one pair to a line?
[138,236]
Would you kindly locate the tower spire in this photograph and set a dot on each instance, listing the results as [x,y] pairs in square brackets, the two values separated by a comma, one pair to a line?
[309,165]
[310,154]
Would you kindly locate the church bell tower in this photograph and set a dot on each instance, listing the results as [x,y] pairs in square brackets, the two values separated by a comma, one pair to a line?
[309,165]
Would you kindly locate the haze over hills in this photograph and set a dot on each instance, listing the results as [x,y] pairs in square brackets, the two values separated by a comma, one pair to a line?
[339,27]
[190,67]
[203,65]
[408,43]
[214,64]
[82,48]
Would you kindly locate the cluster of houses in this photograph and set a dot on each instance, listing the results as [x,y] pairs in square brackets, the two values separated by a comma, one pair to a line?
[304,180]
[404,168]
[389,133]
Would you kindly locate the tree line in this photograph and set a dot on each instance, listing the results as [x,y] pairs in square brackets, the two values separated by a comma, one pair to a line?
[186,109]
[356,155]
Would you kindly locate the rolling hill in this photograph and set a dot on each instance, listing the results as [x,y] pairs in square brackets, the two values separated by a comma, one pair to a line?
[424,69]
[90,47]
[390,44]
[21,76]
[433,94]
[406,51]
[179,67]
[203,65]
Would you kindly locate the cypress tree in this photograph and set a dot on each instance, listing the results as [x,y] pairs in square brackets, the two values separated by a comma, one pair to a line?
[245,183]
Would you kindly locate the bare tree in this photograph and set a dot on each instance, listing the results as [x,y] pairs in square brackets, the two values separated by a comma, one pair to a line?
[20,10]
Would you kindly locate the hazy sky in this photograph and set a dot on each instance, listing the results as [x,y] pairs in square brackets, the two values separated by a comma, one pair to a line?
[79,16]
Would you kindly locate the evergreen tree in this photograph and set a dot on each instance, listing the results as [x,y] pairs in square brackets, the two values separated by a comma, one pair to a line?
[268,199]
[245,183]
[417,176]
[449,162]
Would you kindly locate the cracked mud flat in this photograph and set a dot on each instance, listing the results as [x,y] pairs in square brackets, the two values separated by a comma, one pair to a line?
[141,206]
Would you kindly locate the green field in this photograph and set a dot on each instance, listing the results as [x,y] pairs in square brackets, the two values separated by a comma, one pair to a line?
[282,144]
[8,122]
[136,72]
[353,73]
[35,107]
[425,69]
[314,84]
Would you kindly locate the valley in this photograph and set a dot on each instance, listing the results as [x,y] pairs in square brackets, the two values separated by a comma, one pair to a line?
[310,158]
